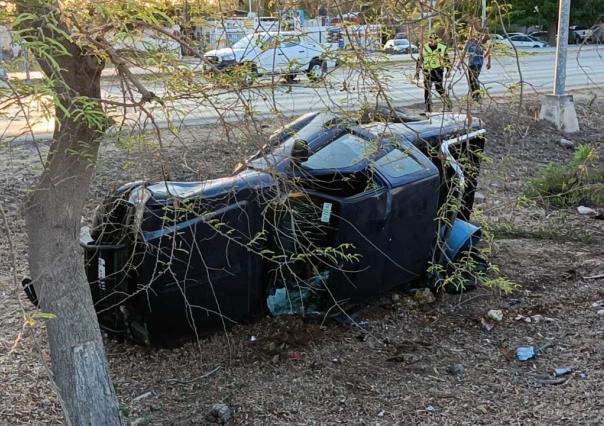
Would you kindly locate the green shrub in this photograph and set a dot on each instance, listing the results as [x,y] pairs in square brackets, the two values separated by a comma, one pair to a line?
[580,181]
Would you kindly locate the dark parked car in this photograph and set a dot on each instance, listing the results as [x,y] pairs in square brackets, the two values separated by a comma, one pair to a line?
[330,211]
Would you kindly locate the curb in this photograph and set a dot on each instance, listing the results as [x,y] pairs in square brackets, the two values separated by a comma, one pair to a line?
[208,121]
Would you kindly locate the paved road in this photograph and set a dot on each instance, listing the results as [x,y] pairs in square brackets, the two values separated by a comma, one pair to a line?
[347,89]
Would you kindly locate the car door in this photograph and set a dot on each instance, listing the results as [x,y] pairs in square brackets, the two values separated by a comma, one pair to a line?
[524,41]
[294,53]
[281,54]
[390,226]
[312,49]
[270,60]
[534,41]
[339,175]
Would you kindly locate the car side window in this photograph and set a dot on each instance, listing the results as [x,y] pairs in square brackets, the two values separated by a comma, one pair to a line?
[290,41]
[398,163]
[271,43]
[346,151]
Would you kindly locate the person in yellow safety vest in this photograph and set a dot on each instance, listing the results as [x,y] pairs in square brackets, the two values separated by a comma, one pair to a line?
[433,60]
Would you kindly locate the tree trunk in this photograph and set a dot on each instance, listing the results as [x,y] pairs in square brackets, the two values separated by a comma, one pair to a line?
[53,217]
[53,214]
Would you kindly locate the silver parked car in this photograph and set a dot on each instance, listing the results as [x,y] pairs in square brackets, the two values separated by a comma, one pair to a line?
[400,45]
[524,41]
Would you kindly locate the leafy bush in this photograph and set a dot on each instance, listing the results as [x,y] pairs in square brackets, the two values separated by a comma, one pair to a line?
[580,181]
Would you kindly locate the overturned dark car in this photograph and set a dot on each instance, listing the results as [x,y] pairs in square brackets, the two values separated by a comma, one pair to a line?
[329,213]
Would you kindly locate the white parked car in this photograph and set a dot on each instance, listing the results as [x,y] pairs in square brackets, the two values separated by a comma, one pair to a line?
[580,34]
[497,39]
[524,41]
[399,45]
[508,35]
[286,53]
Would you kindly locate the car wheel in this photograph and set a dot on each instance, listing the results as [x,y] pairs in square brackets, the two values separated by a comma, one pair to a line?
[467,280]
[536,46]
[316,70]
[249,74]
[290,78]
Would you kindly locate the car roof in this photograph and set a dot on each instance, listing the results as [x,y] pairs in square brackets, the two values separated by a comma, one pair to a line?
[440,123]
[281,33]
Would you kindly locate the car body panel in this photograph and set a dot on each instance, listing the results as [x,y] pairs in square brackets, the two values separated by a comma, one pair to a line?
[191,257]
[400,45]
[524,41]
[286,52]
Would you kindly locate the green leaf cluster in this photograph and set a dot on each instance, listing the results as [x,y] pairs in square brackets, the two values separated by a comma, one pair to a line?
[580,181]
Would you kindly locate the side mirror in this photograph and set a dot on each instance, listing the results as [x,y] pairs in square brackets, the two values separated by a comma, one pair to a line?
[269,44]
[300,152]
[241,166]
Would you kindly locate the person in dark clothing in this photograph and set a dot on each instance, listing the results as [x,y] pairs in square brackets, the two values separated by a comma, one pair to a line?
[477,48]
[433,61]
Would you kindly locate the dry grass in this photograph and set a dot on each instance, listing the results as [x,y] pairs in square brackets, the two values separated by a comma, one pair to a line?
[394,372]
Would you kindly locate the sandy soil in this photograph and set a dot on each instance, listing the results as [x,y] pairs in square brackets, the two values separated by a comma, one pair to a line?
[399,370]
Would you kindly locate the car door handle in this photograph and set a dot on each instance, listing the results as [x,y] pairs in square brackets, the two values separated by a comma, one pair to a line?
[300,51]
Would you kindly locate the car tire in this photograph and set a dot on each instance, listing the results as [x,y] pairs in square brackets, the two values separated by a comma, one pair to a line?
[249,74]
[536,46]
[316,70]
[471,280]
[290,78]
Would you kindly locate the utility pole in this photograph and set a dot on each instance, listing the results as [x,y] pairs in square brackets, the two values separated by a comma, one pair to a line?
[562,47]
[483,18]
[559,108]
[430,12]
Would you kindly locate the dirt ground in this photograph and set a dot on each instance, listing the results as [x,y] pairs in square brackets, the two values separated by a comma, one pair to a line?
[401,368]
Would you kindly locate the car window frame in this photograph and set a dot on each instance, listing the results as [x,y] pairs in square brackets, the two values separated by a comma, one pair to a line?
[286,41]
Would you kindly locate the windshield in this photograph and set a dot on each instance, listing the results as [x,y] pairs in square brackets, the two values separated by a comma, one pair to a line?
[250,41]
[402,42]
